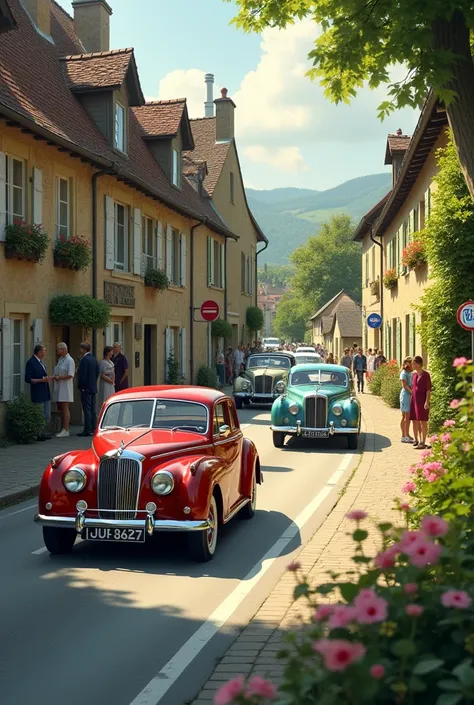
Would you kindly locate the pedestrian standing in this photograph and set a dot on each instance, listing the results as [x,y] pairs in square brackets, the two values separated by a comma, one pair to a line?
[405,400]
[63,393]
[420,402]
[87,383]
[220,367]
[370,363]
[346,359]
[330,359]
[380,359]
[359,365]
[36,376]
[229,365]
[239,359]
[107,375]
[121,368]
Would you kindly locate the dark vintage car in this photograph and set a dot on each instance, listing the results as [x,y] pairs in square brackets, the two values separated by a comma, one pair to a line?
[264,378]
[165,458]
[318,402]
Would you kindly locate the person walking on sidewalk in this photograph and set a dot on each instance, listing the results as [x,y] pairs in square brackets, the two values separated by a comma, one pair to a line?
[87,383]
[36,376]
[420,402]
[63,393]
[346,359]
[405,400]
[220,368]
[359,365]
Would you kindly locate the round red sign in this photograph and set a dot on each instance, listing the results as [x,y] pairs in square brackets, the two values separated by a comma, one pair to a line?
[210,310]
[465,316]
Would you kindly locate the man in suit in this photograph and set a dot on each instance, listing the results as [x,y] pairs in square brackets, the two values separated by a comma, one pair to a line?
[360,368]
[36,376]
[87,384]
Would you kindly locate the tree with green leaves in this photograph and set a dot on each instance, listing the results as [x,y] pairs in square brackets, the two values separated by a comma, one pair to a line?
[327,263]
[357,42]
[275,274]
[292,316]
[449,243]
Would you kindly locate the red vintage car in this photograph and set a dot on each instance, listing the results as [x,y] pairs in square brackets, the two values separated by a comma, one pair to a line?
[167,458]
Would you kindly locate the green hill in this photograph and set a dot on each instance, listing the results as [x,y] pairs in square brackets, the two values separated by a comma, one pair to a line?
[288,216]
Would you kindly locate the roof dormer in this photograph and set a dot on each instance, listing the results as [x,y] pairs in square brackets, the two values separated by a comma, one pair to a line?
[107,85]
[395,150]
[166,128]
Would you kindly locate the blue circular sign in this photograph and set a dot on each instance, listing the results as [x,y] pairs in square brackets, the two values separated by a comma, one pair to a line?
[374,320]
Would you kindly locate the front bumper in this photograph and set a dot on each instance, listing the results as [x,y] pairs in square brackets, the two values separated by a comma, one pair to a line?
[152,525]
[258,398]
[331,430]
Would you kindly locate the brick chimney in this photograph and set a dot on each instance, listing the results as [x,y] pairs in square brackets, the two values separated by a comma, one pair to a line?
[40,14]
[92,24]
[225,108]
[397,145]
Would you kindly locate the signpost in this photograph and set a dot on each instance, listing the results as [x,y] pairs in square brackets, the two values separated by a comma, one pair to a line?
[465,316]
[374,320]
[210,311]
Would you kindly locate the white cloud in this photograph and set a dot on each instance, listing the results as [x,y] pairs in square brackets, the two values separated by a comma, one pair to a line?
[288,159]
[185,84]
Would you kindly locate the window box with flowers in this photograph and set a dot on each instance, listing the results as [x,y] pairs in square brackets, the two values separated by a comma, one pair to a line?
[72,253]
[414,255]
[156,279]
[25,242]
[390,279]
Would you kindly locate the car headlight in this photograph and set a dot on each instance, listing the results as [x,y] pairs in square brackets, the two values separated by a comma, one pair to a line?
[280,387]
[162,482]
[293,409]
[337,409]
[75,479]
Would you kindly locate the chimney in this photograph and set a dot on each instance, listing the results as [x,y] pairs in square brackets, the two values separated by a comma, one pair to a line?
[209,104]
[225,108]
[92,24]
[397,145]
[40,14]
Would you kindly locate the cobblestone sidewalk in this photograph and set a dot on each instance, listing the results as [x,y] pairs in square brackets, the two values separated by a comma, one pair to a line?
[374,485]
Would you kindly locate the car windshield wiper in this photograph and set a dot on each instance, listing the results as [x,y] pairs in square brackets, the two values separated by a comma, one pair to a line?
[138,425]
[113,428]
[188,427]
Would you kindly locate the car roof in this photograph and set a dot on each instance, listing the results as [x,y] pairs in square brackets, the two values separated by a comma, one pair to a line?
[305,353]
[283,353]
[319,366]
[204,395]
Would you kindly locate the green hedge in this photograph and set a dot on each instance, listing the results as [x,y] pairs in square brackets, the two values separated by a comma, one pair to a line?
[207,377]
[24,420]
[385,383]
[221,329]
[83,310]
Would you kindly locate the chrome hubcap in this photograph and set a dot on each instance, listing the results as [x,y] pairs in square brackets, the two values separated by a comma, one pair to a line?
[212,530]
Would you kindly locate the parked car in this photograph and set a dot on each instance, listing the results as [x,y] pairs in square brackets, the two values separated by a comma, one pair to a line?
[166,458]
[263,379]
[270,344]
[318,402]
[303,358]
[305,349]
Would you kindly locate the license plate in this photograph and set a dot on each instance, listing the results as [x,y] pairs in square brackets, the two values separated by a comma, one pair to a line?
[115,534]
[316,434]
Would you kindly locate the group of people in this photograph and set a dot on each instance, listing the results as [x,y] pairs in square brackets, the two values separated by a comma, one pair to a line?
[415,396]
[229,364]
[362,364]
[94,380]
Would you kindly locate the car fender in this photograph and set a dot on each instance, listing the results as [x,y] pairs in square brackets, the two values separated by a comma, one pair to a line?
[52,488]
[250,464]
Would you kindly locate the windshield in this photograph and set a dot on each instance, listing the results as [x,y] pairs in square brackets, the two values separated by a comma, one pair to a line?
[306,358]
[319,377]
[271,341]
[269,361]
[159,413]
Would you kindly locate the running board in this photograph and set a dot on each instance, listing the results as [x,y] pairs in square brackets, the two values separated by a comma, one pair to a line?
[237,509]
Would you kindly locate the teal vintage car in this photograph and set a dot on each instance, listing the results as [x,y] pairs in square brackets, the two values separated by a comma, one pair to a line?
[319,401]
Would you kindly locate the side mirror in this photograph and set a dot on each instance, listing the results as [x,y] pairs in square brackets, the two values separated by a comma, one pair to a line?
[224,431]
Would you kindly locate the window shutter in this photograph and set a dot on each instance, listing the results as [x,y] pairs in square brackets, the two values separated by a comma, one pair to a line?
[398,334]
[183,272]
[210,261]
[37,331]
[397,252]
[250,275]
[3,198]
[412,334]
[183,353]
[137,241]
[222,282]
[6,391]
[167,350]
[37,196]
[169,244]
[109,233]
[159,245]
[427,203]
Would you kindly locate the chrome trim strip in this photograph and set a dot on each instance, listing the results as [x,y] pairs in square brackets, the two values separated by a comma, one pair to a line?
[237,509]
[158,524]
[332,430]
[182,450]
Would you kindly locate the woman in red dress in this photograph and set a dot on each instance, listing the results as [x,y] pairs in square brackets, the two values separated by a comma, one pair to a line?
[420,402]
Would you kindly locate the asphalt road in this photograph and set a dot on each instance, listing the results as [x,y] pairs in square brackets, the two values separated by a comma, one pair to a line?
[115,625]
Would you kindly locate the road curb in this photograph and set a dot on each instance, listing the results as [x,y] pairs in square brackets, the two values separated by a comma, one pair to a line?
[7,499]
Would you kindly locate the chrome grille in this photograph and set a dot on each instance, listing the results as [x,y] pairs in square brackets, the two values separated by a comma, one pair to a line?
[258,387]
[118,487]
[315,412]
[263,384]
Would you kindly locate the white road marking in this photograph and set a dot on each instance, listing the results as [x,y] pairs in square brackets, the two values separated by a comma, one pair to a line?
[335,477]
[169,674]
[245,425]
[19,511]
[39,551]
[346,461]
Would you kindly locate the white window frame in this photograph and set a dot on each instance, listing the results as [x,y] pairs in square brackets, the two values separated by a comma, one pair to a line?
[60,226]
[122,266]
[176,168]
[148,231]
[111,336]
[10,187]
[119,134]
[21,344]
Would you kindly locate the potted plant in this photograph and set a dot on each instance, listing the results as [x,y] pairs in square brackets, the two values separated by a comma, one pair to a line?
[221,329]
[25,242]
[414,255]
[72,253]
[390,279]
[156,279]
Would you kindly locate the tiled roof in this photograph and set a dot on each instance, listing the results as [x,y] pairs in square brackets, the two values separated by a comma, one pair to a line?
[349,319]
[34,90]
[7,20]
[62,31]
[192,166]
[369,218]
[327,324]
[207,149]
[160,118]
[106,69]
[396,143]
[328,303]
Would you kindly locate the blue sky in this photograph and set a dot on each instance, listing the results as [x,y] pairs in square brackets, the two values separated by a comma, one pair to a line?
[287,132]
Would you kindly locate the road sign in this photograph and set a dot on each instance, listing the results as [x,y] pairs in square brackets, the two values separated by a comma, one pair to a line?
[465,316]
[374,320]
[210,310]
